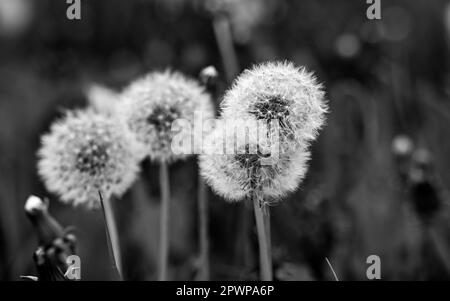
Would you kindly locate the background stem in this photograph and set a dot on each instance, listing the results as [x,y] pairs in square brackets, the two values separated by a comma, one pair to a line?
[112,237]
[164,222]
[263,228]
[203,228]
[439,247]
[224,38]
[225,43]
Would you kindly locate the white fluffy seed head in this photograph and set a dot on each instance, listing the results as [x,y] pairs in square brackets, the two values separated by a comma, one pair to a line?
[279,90]
[235,175]
[85,153]
[150,105]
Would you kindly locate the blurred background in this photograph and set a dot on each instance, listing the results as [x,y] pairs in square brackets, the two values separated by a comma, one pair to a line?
[379,175]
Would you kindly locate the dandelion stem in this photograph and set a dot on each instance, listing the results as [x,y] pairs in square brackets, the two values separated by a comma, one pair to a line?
[203,228]
[439,246]
[332,270]
[164,222]
[263,227]
[225,42]
[112,236]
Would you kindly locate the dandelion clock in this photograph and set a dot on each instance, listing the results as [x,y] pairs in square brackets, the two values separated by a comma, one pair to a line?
[289,103]
[87,158]
[149,108]
[279,91]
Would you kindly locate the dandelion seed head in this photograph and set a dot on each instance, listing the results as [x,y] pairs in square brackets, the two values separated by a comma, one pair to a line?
[151,104]
[85,153]
[236,175]
[279,90]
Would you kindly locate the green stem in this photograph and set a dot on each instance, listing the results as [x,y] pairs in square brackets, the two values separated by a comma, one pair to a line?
[263,227]
[164,221]
[112,237]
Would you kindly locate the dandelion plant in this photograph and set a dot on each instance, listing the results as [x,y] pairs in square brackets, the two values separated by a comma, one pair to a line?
[208,77]
[86,154]
[270,92]
[55,242]
[220,12]
[148,108]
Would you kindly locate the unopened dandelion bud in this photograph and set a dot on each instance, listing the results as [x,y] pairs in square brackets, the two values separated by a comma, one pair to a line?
[46,227]
[208,75]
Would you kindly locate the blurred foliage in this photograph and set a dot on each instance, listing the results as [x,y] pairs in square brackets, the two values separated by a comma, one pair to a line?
[383,78]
